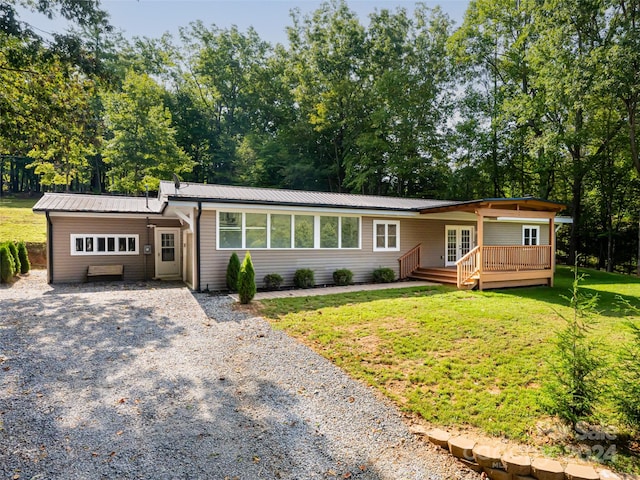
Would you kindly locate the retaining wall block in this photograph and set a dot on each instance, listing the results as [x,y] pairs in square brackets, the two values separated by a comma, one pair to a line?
[498,474]
[545,469]
[488,456]
[439,437]
[608,475]
[516,464]
[580,472]
[462,447]
[471,465]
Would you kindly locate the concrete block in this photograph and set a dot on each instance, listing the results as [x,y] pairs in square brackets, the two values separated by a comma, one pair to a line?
[488,456]
[471,465]
[516,464]
[609,475]
[580,472]
[461,447]
[498,474]
[545,469]
[439,437]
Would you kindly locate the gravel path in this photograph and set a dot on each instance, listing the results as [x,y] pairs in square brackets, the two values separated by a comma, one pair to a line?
[149,380]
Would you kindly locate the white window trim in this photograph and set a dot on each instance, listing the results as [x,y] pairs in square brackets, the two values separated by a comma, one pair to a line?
[531,227]
[386,223]
[316,230]
[95,236]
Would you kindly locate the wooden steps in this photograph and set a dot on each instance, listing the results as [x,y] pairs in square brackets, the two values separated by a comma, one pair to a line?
[444,275]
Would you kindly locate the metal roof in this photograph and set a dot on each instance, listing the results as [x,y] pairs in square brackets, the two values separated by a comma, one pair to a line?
[272,196]
[73,202]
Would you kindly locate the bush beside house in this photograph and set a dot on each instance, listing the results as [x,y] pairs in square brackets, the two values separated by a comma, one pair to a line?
[246,280]
[233,271]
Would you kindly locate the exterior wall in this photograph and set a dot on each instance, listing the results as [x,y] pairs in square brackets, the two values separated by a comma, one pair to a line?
[323,262]
[73,268]
[510,233]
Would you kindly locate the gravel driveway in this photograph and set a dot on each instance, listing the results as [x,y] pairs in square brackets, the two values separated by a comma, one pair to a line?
[149,380]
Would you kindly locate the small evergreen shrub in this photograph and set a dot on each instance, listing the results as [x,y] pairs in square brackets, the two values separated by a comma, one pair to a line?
[383,275]
[233,270]
[23,255]
[16,260]
[303,278]
[7,270]
[246,280]
[273,281]
[575,369]
[343,277]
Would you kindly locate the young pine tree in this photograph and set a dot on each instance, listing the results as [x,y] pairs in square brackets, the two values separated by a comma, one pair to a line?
[628,375]
[16,259]
[574,386]
[247,280]
[233,269]
[7,270]
[23,255]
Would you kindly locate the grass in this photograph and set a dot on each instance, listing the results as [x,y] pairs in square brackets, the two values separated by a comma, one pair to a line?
[458,358]
[18,222]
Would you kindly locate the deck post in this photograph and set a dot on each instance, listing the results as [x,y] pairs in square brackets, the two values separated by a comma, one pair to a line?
[552,242]
[480,231]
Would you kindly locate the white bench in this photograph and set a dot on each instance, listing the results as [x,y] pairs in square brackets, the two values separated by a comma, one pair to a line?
[94,271]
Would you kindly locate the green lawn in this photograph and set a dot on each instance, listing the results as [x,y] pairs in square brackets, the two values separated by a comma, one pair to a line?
[457,357]
[18,222]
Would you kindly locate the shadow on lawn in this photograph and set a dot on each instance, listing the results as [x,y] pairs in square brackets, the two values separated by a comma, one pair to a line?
[610,304]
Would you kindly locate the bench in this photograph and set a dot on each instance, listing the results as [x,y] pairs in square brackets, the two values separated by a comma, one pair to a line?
[94,271]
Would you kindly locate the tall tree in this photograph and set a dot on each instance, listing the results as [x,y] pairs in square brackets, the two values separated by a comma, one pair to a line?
[143,149]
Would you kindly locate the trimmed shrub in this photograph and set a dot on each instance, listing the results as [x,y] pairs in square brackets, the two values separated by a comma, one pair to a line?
[233,270]
[303,278]
[383,275]
[7,270]
[16,260]
[246,280]
[23,255]
[343,276]
[273,281]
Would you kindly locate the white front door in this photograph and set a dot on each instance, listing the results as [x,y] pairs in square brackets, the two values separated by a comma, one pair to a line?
[458,242]
[167,252]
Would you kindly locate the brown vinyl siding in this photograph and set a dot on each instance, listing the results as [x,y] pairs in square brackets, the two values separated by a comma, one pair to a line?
[510,233]
[73,268]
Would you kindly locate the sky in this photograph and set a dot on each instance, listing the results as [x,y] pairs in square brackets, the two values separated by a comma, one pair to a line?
[152,18]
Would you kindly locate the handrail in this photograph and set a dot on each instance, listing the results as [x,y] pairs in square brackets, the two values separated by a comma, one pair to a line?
[468,266]
[516,258]
[409,261]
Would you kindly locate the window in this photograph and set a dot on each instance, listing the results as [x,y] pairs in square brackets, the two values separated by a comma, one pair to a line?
[304,232]
[530,235]
[386,236]
[255,230]
[245,230]
[280,231]
[328,232]
[230,230]
[101,244]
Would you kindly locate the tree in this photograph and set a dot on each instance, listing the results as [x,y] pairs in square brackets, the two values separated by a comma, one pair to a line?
[246,280]
[143,149]
[233,271]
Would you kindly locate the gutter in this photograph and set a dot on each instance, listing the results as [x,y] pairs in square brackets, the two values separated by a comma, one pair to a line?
[49,247]
[198,246]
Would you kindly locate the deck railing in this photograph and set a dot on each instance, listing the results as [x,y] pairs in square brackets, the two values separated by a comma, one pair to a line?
[467,266]
[516,258]
[409,261]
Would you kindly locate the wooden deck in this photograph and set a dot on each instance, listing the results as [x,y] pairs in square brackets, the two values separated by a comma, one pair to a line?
[493,267]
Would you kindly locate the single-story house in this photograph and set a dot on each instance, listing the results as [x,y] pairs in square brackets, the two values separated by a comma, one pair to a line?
[190,230]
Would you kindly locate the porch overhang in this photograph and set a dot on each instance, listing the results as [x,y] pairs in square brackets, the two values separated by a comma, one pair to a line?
[526,204]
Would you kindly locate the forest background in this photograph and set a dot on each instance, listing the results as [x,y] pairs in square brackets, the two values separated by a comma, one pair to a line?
[525,98]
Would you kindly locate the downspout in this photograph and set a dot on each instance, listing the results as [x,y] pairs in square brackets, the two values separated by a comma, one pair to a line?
[198,246]
[49,248]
